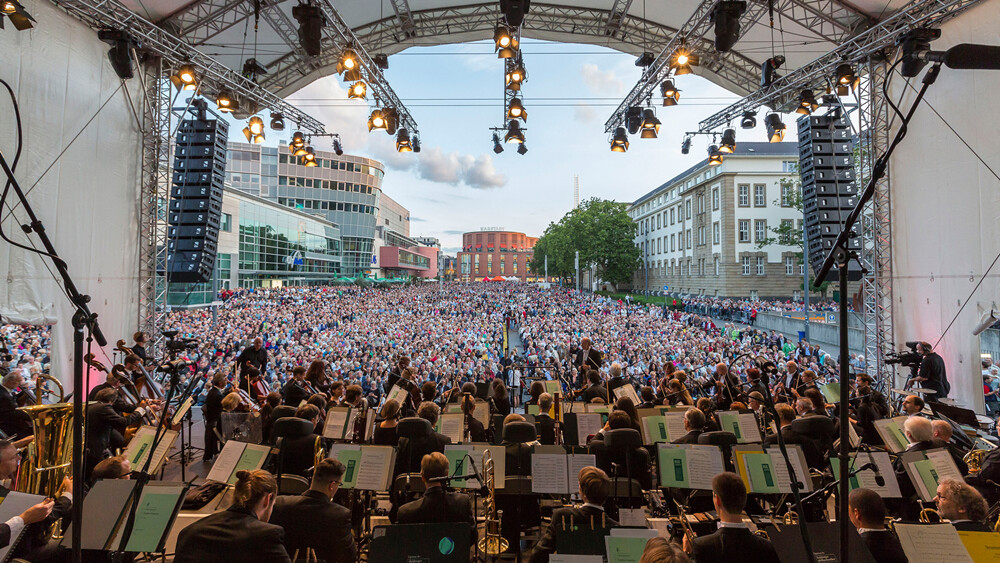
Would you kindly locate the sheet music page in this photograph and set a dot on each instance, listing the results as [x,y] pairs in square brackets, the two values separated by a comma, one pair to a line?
[376,468]
[156,508]
[369,424]
[226,462]
[352,419]
[458,464]
[704,462]
[548,473]
[944,464]
[796,457]
[453,426]
[932,543]
[253,458]
[399,394]
[627,391]
[655,430]
[336,422]
[675,425]
[866,479]
[576,463]
[181,411]
[671,461]
[482,413]
[749,428]
[587,424]
[891,434]
[633,517]
[350,456]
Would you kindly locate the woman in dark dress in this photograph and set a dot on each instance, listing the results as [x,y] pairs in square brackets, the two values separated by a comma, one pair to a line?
[385,431]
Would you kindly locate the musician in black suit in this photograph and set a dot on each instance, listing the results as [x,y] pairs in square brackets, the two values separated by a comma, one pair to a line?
[213,415]
[694,423]
[595,488]
[397,372]
[113,381]
[240,533]
[786,415]
[477,432]
[595,389]
[942,433]
[254,356]
[867,513]
[38,513]
[102,421]
[588,356]
[545,424]
[437,505]
[139,349]
[962,505]
[416,449]
[295,390]
[733,542]
[12,421]
[313,520]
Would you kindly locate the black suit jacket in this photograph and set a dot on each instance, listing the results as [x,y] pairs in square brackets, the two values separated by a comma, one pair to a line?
[477,432]
[546,429]
[102,420]
[231,535]
[12,421]
[119,404]
[410,452]
[884,547]
[595,391]
[213,405]
[293,394]
[591,357]
[580,516]
[689,438]
[438,505]
[313,520]
[257,358]
[734,545]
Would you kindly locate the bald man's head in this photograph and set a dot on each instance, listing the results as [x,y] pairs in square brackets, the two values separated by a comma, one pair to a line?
[942,430]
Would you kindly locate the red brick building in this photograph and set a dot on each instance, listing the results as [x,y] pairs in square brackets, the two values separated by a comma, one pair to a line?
[492,252]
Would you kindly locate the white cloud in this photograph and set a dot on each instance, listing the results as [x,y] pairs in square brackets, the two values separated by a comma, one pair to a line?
[453,168]
[584,113]
[382,147]
[326,100]
[482,174]
[603,82]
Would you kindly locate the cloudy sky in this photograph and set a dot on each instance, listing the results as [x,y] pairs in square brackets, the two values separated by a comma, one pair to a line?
[455,92]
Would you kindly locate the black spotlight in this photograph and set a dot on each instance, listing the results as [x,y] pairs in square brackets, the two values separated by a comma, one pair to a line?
[311,22]
[522,148]
[277,122]
[728,145]
[846,79]
[619,143]
[120,54]
[749,120]
[497,147]
[633,119]
[416,144]
[381,60]
[775,128]
[514,11]
[644,59]
[253,69]
[769,70]
[726,16]
[337,147]
[686,145]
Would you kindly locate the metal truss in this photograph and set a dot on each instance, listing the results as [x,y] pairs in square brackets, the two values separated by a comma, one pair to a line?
[831,20]
[154,195]
[205,19]
[405,18]
[288,31]
[860,47]
[337,36]
[212,74]
[616,17]
[692,35]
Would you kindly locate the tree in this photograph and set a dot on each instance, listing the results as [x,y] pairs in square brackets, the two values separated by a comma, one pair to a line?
[601,231]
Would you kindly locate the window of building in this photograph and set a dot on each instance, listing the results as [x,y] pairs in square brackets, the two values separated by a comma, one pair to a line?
[746,265]
[671,215]
[715,199]
[754,294]
[744,230]
[689,239]
[789,166]
[789,265]
[658,224]
[658,247]
[227,222]
[477,263]
[489,263]
[715,233]
[716,266]
[760,230]
[688,208]
[786,194]
[672,246]
[760,195]
[743,195]
[701,203]
[701,236]
[786,228]
[760,265]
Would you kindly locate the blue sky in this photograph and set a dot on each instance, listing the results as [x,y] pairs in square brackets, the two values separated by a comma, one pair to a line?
[457,184]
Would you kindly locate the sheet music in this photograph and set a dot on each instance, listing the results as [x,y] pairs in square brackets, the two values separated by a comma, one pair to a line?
[137,454]
[744,425]
[704,462]
[655,430]
[587,424]
[458,464]
[866,479]
[499,454]
[453,426]
[633,517]
[944,464]
[350,456]
[376,468]
[336,423]
[398,393]
[253,458]
[181,411]
[352,419]
[675,425]
[892,434]
[576,462]
[797,459]
[932,543]
[369,424]
[627,391]
[482,413]
[226,461]
[549,474]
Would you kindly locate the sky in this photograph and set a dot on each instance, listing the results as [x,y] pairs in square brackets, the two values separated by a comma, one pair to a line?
[457,184]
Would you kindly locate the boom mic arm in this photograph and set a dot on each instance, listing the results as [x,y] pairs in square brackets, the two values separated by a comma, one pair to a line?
[965,56]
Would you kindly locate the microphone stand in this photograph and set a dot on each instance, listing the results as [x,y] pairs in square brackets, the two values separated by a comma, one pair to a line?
[83,319]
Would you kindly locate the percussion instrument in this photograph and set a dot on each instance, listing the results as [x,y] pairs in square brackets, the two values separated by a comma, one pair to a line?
[923,391]
[900,391]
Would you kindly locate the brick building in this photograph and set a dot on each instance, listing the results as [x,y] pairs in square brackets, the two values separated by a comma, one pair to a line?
[492,252]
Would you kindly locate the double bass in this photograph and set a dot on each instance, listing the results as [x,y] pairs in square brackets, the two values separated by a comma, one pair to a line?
[147,387]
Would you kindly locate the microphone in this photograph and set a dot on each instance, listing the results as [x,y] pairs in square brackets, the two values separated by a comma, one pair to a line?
[879,479]
[965,56]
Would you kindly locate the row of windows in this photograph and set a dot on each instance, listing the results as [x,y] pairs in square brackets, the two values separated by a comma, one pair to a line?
[321,205]
[324,184]
[679,212]
[285,158]
[748,266]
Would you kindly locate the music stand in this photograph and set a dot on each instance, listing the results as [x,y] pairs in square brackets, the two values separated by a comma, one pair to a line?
[445,542]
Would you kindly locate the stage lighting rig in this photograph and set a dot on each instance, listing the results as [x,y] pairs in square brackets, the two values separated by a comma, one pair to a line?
[682,60]
[516,76]
[633,120]
[807,102]
[381,60]
[497,147]
[358,90]
[728,145]
[726,17]
[522,148]
[415,143]
[775,128]
[671,95]
[339,149]
[514,11]
[646,59]
[505,42]
[13,10]
[310,157]
[225,101]
[516,110]
[120,54]
[254,131]
[277,122]
[749,120]
[377,120]
[185,78]
[311,23]
[714,156]
[514,132]
[650,126]
[253,70]
[619,143]
[403,143]
[846,79]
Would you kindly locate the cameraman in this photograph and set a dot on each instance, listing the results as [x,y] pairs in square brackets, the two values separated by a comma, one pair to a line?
[931,374]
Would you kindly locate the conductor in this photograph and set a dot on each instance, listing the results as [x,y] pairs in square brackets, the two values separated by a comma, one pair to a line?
[588,356]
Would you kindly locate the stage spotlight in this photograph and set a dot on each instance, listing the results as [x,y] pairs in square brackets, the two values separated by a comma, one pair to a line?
[714,156]
[775,128]
[310,157]
[376,120]
[391,120]
[650,124]
[18,16]
[686,145]
[381,60]
[682,60]
[516,110]
[728,145]
[515,77]
[619,143]
[514,133]
[252,69]
[645,60]
[769,70]
[403,141]
[311,22]
[254,131]
[514,11]
[846,79]
[185,78]
[277,122]
[522,148]
[497,147]
[807,102]
[505,42]
[633,119]
[671,95]
[358,90]
[749,120]
[337,147]
[224,101]
[353,75]
[416,143]
[726,16]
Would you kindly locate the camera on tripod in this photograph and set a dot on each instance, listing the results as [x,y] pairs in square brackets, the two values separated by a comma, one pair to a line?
[910,358]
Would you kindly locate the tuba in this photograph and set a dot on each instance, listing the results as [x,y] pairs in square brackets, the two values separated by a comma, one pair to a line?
[493,543]
[49,456]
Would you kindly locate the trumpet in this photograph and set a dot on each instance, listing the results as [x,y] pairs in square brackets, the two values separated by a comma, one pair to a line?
[929,516]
